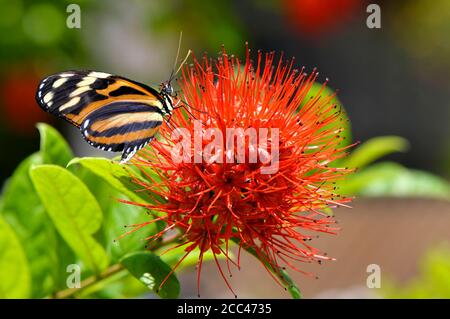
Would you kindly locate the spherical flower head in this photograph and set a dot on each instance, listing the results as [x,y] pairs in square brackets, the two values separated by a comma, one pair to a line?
[241,161]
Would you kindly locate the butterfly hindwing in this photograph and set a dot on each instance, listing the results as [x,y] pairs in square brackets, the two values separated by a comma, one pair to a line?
[113,113]
[113,129]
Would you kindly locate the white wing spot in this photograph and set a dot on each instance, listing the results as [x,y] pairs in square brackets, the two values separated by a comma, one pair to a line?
[79,91]
[59,82]
[86,123]
[66,75]
[48,97]
[72,102]
[101,75]
[86,81]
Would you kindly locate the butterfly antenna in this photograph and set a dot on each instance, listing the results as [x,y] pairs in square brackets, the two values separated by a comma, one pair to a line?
[172,74]
[178,54]
[184,61]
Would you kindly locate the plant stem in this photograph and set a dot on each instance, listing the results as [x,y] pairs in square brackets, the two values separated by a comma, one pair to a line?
[288,283]
[88,282]
[112,270]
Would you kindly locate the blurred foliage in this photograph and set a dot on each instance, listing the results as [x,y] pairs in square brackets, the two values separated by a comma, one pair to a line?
[422,29]
[205,24]
[37,32]
[12,261]
[375,148]
[385,179]
[433,280]
[324,93]
[382,179]
[34,39]
[388,179]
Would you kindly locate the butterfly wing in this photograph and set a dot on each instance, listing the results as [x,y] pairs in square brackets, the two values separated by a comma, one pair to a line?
[111,128]
[112,112]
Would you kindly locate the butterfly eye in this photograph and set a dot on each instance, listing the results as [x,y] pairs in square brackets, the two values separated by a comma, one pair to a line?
[168,89]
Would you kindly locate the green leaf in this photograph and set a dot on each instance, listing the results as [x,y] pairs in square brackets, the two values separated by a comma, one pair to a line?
[117,175]
[19,186]
[174,254]
[131,287]
[109,287]
[74,211]
[391,179]
[54,148]
[318,90]
[151,271]
[15,276]
[23,210]
[117,216]
[375,148]
[432,281]
[120,286]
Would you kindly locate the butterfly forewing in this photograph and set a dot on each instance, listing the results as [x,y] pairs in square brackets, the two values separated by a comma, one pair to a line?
[113,113]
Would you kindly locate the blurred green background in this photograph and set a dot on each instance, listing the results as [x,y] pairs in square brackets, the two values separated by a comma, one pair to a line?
[391,81]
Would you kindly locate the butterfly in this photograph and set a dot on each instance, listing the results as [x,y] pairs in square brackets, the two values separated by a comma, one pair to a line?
[113,113]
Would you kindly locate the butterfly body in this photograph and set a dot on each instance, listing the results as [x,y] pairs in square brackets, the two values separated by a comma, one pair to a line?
[113,113]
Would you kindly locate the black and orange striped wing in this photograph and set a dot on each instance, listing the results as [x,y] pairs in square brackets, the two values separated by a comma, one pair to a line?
[113,113]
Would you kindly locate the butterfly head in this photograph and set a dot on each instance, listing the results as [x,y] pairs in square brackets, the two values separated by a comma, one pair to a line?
[167,93]
[167,88]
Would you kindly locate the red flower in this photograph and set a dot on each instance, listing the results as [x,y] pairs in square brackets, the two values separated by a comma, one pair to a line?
[17,102]
[318,17]
[272,212]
